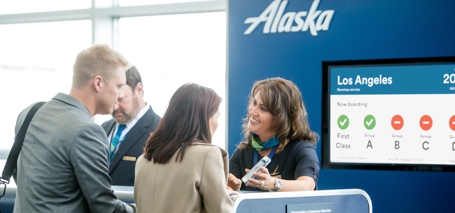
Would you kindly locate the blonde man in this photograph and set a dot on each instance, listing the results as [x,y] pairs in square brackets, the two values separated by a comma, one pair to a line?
[63,166]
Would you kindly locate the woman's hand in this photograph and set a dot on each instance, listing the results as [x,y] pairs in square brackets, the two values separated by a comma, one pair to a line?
[230,191]
[262,179]
[233,182]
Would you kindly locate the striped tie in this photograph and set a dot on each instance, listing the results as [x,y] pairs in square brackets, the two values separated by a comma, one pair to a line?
[116,140]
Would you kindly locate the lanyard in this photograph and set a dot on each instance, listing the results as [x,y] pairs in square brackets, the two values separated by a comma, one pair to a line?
[270,154]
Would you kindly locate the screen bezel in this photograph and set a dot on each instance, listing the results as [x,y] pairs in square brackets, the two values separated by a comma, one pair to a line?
[325,127]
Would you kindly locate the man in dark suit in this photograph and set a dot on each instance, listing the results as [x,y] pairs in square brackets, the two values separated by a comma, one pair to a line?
[136,120]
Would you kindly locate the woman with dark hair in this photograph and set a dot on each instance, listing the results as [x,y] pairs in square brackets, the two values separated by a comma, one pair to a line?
[276,126]
[180,171]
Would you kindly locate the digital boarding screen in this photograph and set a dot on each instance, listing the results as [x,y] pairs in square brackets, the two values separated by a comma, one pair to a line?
[389,113]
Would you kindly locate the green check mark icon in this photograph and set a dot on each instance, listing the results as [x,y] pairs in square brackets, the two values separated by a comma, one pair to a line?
[343,122]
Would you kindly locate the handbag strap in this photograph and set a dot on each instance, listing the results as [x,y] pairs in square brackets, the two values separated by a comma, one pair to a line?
[11,161]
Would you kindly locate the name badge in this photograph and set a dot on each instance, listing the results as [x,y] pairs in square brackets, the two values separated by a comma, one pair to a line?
[129,158]
[275,173]
[276,176]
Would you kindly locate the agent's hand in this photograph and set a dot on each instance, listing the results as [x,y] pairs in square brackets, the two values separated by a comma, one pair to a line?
[233,182]
[261,179]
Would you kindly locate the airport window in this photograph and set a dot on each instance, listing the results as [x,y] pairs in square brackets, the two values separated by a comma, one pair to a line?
[171,43]
[171,50]
[27,6]
[145,2]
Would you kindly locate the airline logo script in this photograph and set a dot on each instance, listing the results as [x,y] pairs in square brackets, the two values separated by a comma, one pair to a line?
[276,21]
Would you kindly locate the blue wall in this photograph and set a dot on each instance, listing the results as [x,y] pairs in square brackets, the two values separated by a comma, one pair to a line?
[359,29]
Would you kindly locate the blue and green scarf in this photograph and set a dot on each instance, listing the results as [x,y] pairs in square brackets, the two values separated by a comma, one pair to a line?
[259,146]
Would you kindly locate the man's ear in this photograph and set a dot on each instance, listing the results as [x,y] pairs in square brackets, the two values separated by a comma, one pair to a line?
[139,88]
[97,83]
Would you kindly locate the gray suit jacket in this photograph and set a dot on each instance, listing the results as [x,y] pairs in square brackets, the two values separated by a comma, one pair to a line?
[62,166]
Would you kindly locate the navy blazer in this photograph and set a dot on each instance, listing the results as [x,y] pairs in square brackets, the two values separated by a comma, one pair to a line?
[121,169]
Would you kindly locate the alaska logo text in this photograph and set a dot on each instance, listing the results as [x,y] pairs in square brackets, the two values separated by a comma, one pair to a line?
[276,20]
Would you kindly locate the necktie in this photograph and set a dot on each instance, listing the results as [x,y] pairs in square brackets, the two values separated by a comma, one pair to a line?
[116,140]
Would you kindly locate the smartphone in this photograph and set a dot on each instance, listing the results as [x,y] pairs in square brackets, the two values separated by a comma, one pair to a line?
[262,163]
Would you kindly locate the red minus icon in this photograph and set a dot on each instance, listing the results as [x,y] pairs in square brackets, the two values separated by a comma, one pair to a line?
[397,122]
[426,122]
[452,123]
